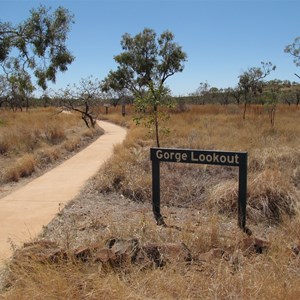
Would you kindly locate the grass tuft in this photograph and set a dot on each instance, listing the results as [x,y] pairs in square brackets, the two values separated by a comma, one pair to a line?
[24,167]
[47,135]
[270,197]
[199,206]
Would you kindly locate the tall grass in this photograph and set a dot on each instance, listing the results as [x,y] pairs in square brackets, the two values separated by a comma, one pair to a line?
[200,203]
[32,140]
[274,156]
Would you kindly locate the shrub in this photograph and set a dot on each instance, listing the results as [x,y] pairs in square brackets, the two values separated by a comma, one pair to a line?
[24,167]
[270,197]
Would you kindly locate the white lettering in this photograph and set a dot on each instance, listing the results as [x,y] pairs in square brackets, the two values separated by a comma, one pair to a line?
[230,159]
[223,159]
[202,157]
[209,158]
[159,154]
[237,159]
[216,157]
[192,157]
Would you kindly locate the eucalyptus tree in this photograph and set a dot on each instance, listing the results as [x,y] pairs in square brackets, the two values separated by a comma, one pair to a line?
[83,98]
[251,81]
[236,93]
[144,66]
[35,48]
[294,50]
[272,96]
[201,94]
[19,87]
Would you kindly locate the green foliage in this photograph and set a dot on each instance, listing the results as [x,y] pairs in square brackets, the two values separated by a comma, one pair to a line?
[251,82]
[143,67]
[38,44]
[147,112]
[294,50]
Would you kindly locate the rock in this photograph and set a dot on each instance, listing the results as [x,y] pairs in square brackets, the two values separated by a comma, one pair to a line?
[161,254]
[105,256]
[214,253]
[295,249]
[83,253]
[251,245]
[124,250]
[151,254]
[41,251]
[117,253]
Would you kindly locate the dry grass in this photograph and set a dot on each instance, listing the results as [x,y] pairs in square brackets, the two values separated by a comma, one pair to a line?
[273,275]
[200,203]
[271,197]
[24,167]
[274,156]
[30,141]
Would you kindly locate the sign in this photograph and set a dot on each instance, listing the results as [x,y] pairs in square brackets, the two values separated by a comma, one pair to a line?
[208,157]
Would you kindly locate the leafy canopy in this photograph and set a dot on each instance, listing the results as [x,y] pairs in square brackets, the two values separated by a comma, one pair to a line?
[146,62]
[37,44]
[294,50]
[252,79]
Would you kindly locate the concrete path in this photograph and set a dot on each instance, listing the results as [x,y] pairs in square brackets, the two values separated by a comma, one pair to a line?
[24,212]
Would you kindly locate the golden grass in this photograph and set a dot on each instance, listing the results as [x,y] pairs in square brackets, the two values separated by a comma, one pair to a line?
[32,140]
[201,202]
[24,167]
[274,156]
[274,275]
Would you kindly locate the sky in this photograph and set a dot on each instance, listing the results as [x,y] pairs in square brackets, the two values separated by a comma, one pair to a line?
[222,38]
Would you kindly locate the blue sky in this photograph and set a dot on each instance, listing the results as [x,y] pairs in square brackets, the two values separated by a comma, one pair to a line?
[221,38]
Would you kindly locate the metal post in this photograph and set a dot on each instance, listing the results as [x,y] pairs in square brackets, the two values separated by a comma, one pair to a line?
[156,192]
[242,200]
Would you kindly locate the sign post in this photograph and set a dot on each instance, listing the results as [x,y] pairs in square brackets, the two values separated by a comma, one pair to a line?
[235,159]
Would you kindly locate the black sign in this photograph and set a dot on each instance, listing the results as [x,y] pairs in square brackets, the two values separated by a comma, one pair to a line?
[236,159]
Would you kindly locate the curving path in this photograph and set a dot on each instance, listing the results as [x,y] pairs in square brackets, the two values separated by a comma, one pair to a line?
[24,212]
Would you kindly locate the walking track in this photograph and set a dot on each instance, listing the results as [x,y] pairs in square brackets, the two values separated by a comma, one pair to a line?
[23,213]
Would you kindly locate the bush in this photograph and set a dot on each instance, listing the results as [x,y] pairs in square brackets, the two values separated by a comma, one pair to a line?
[24,167]
[270,197]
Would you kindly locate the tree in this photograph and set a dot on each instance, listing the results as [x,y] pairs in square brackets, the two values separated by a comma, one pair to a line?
[272,97]
[143,68]
[18,87]
[294,50]
[236,93]
[82,98]
[251,81]
[36,45]
[225,95]
[201,93]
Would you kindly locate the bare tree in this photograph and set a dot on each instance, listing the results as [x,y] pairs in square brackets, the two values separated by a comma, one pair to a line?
[83,98]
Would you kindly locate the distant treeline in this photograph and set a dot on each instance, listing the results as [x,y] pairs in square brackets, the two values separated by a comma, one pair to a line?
[274,91]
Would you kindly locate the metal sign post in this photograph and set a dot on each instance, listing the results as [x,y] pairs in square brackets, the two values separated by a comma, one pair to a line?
[235,159]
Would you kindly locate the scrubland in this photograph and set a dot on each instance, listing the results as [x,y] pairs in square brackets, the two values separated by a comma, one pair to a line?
[32,141]
[199,204]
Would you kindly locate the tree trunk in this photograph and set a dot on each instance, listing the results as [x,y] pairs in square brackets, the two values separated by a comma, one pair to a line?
[245,108]
[156,126]
[245,105]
